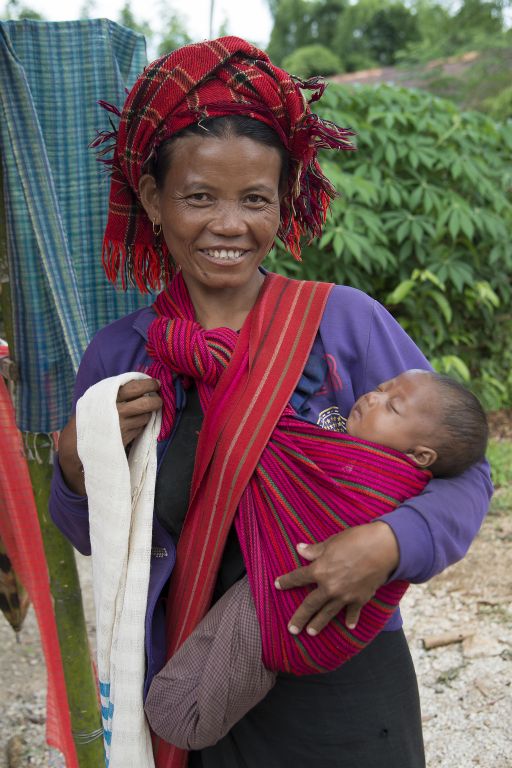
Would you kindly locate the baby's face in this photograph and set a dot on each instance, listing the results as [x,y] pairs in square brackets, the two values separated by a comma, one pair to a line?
[400,413]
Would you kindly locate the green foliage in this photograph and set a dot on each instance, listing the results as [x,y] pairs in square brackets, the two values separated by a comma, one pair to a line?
[300,23]
[500,107]
[372,32]
[128,19]
[499,455]
[14,9]
[312,60]
[423,225]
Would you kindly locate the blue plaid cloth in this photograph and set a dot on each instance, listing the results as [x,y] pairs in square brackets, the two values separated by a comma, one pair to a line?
[51,77]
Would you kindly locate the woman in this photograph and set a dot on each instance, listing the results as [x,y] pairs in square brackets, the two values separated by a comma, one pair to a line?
[215,156]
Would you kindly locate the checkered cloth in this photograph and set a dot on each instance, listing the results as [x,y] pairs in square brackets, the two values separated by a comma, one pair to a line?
[215,678]
[51,76]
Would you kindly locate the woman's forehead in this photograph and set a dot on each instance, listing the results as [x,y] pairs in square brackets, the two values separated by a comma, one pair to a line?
[223,158]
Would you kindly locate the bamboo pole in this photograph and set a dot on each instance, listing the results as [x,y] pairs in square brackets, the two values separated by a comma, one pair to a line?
[64,581]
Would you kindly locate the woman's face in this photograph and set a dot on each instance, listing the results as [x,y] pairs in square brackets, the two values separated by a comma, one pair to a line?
[219,209]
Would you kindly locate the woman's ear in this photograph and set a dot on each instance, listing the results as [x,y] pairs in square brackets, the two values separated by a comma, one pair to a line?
[422,456]
[150,197]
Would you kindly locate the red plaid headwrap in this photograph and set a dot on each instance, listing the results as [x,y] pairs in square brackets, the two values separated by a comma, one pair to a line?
[211,79]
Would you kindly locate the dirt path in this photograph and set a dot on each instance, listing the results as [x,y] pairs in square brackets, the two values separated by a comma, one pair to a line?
[465,687]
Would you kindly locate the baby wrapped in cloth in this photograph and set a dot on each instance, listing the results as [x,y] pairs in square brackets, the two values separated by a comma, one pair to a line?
[310,484]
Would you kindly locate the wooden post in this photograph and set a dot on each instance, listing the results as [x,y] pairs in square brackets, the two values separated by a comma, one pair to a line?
[64,581]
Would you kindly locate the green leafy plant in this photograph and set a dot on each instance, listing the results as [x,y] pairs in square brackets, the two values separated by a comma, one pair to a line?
[312,60]
[422,224]
[499,455]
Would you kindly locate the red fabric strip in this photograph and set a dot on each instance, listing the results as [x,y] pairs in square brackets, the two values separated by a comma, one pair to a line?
[252,393]
[20,531]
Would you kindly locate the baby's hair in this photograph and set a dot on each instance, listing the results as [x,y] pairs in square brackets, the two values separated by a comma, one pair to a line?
[463,429]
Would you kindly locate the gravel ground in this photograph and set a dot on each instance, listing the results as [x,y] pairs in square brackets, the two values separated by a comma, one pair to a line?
[465,686]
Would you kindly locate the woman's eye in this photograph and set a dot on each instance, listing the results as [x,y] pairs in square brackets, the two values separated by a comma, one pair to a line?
[256,199]
[199,197]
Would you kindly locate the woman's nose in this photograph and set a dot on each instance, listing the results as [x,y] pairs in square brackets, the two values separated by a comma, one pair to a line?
[228,220]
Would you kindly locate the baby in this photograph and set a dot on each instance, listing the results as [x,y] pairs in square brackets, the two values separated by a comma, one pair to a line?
[217,675]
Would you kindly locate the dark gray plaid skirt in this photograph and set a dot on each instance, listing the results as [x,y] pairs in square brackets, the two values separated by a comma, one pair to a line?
[364,715]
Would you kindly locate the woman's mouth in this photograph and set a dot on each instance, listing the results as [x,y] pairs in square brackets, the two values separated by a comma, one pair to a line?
[224,254]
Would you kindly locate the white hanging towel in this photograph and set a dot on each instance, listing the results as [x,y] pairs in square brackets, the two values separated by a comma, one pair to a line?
[121,495]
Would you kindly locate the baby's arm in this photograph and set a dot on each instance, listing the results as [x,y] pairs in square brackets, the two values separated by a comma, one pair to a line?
[215,678]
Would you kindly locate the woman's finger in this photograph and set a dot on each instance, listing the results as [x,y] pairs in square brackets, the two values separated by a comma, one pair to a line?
[326,613]
[297,578]
[352,613]
[137,388]
[148,403]
[310,607]
[311,551]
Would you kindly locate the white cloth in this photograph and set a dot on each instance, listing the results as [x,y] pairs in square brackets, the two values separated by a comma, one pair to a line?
[121,494]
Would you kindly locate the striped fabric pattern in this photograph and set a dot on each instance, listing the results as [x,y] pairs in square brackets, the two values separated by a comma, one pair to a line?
[311,484]
[51,76]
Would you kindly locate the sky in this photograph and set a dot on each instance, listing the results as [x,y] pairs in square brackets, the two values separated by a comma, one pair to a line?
[244,18]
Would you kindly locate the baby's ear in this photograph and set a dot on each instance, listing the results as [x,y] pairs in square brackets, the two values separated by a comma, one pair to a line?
[422,456]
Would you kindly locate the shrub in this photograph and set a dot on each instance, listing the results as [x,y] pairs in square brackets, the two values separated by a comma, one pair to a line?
[423,224]
[311,60]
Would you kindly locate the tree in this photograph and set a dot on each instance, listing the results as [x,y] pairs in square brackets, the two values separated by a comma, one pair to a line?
[312,60]
[372,32]
[300,23]
[14,9]
[127,19]
[175,34]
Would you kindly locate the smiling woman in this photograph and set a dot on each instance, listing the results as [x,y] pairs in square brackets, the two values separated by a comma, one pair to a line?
[215,157]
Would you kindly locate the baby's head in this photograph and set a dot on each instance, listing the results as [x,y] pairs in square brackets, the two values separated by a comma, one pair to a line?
[436,421]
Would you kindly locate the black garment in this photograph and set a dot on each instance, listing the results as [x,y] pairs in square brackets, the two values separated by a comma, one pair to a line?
[172,490]
[366,714]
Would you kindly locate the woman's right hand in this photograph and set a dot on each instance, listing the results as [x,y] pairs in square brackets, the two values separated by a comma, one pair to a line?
[137,400]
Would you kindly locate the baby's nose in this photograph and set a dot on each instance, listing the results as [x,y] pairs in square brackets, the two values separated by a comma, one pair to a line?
[372,398]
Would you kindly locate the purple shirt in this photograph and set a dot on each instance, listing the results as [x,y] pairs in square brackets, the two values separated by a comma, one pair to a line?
[359,345]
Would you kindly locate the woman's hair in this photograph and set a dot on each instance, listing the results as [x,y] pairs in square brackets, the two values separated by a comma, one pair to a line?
[462,429]
[222,128]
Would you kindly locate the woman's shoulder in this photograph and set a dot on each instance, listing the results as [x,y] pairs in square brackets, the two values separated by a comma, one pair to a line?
[125,329]
[118,347]
[348,304]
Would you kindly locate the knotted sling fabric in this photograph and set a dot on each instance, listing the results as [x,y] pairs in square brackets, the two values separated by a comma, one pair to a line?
[228,76]
[281,480]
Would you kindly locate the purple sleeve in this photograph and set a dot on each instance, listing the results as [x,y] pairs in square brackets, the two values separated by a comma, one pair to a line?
[436,528]
[70,512]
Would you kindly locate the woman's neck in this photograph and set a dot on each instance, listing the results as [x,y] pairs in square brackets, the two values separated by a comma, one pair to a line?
[226,308]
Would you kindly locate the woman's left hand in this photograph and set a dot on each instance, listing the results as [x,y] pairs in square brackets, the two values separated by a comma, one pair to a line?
[347,569]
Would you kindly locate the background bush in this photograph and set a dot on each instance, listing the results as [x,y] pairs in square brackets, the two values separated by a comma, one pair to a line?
[423,224]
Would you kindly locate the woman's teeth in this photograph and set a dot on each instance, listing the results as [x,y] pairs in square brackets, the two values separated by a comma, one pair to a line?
[224,254]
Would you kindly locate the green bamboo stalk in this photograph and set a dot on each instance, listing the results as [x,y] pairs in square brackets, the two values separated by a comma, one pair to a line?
[64,581]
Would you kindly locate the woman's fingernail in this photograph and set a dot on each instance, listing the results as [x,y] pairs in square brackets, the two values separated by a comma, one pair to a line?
[293,629]
[352,625]
[301,545]
[311,631]
[277,584]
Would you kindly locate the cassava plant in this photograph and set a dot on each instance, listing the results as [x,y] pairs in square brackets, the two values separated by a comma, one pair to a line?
[423,224]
